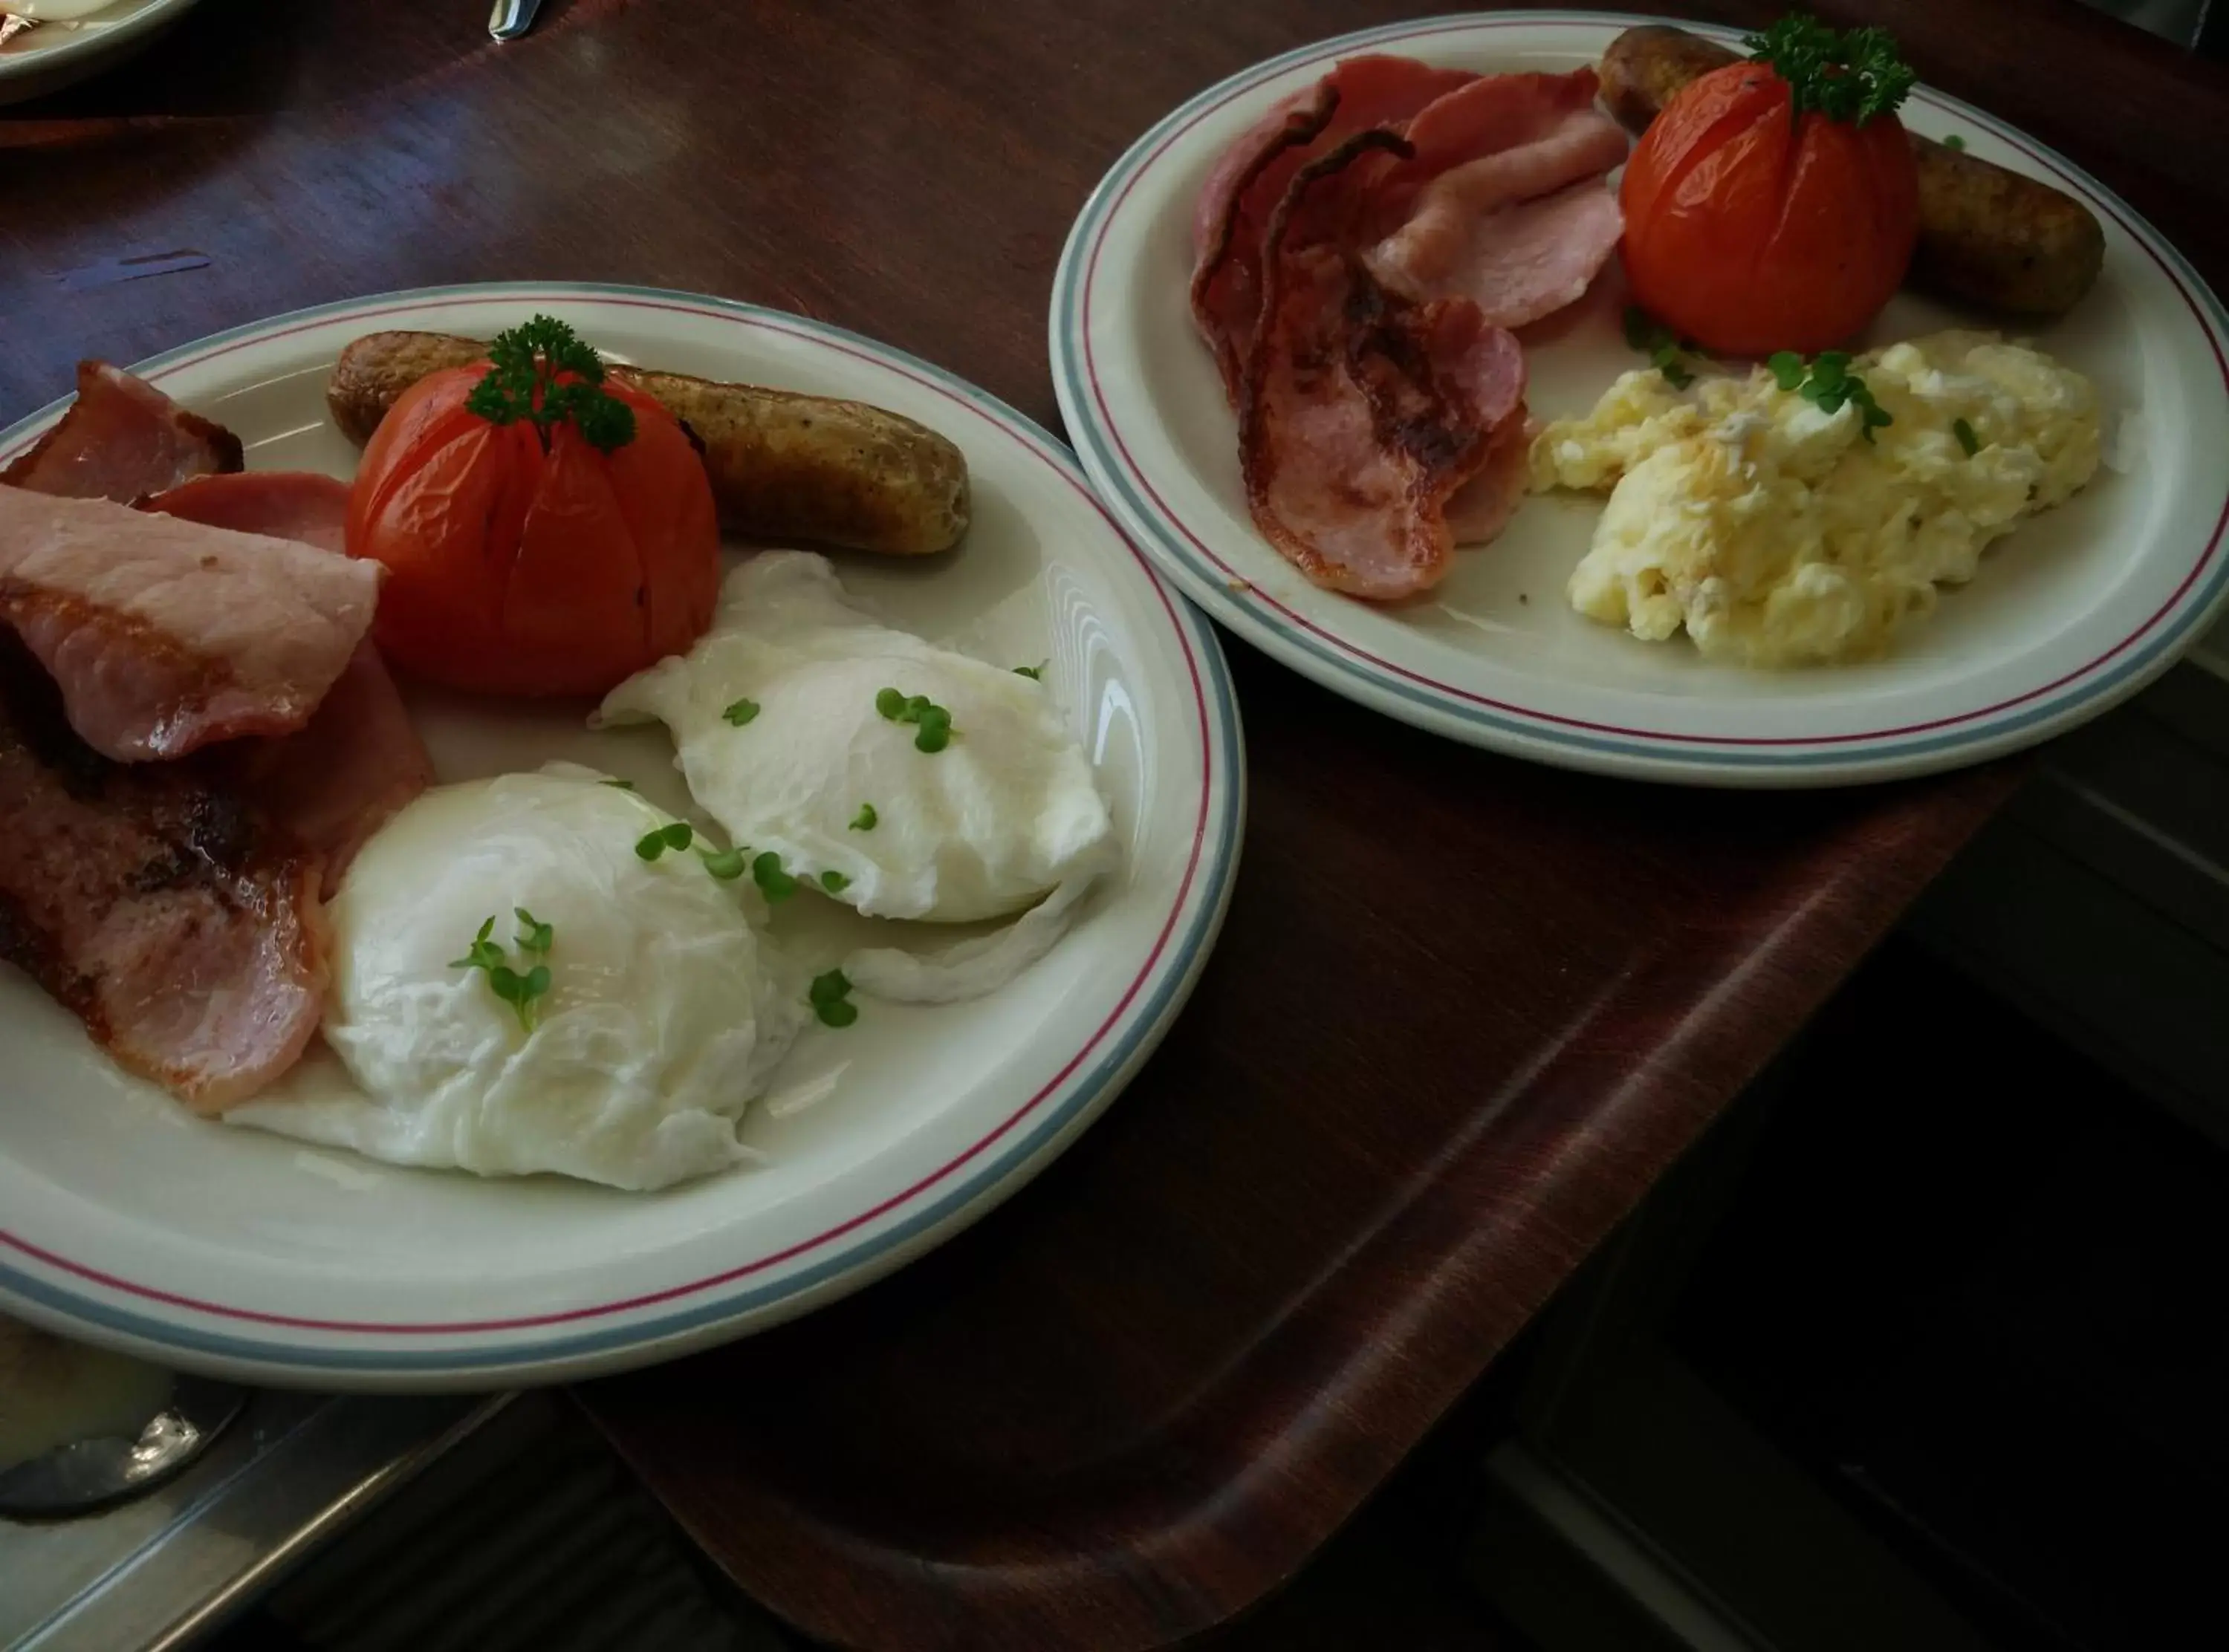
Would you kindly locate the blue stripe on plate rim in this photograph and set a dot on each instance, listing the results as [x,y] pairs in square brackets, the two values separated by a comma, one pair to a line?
[1182,958]
[1342,669]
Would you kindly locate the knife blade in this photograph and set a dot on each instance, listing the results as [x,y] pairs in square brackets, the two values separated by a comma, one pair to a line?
[512,18]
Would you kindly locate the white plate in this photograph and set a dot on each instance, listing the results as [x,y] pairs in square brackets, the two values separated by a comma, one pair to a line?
[2074,611]
[50,57]
[220,1249]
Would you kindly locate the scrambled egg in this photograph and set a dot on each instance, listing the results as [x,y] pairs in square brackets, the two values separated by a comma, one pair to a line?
[1775,534]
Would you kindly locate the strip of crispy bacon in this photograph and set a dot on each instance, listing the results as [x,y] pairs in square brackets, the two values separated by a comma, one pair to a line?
[305,506]
[166,634]
[1255,172]
[1503,202]
[1362,414]
[155,903]
[122,439]
[359,759]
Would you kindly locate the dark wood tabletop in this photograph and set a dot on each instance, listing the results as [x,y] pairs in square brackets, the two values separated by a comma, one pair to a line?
[1464,1011]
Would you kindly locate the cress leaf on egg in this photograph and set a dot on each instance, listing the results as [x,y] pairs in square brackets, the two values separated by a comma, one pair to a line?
[676,836]
[829,994]
[522,991]
[933,721]
[774,883]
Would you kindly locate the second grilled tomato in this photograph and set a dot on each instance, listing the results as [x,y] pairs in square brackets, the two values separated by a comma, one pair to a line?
[544,532]
[1774,204]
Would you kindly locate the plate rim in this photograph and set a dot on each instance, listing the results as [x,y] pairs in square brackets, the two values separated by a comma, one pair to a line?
[76,47]
[964,1188]
[1351,670]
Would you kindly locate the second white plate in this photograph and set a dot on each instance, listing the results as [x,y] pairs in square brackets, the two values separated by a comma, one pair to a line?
[2075,611]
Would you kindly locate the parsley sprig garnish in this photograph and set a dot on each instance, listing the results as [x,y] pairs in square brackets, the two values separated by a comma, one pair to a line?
[521,989]
[1829,382]
[1663,348]
[1854,77]
[542,372]
[933,722]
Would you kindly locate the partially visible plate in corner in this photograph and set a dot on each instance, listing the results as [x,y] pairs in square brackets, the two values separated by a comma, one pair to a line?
[55,56]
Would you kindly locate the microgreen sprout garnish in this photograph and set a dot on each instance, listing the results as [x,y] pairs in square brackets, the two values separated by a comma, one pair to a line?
[1954,142]
[522,991]
[652,844]
[543,373]
[933,721]
[774,883]
[830,996]
[534,936]
[1854,77]
[1663,348]
[485,953]
[1034,673]
[864,820]
[728,865]
[834,882]
[741,711]
[1967,440]
[624,785]
[1827,383]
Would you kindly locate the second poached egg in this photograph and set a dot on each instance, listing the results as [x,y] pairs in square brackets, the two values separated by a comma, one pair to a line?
[775,716]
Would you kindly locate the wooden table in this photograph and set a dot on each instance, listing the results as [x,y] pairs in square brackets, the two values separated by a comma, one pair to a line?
[1464,1010]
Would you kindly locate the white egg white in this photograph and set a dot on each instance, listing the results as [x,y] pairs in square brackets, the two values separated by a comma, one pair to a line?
[664,1015]
[1006,813]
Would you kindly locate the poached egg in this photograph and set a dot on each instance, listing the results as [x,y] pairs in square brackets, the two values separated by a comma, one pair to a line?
[662,1017]
[781,716]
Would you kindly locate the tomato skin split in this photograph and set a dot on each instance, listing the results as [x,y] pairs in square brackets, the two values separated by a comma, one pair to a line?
[518,569]
[1751,229]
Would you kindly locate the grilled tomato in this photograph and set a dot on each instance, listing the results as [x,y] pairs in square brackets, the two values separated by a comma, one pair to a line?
[1774,204]
[544,532]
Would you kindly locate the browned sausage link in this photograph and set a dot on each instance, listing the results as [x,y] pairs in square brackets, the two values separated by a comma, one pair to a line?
[1646,67]
[373,372]
[783,465]
[2002,240]
[1987,236]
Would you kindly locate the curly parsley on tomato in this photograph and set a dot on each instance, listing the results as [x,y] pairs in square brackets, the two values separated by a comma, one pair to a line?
[544,531]
[1774,204]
